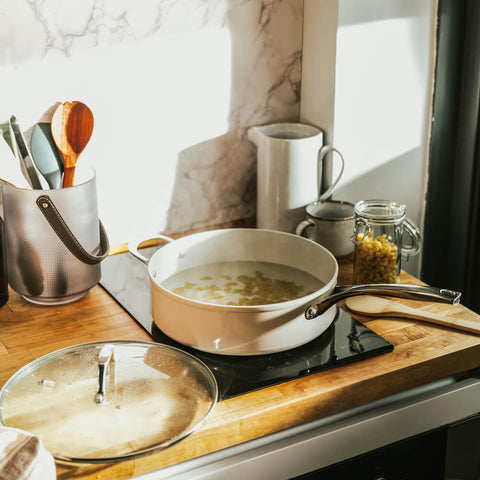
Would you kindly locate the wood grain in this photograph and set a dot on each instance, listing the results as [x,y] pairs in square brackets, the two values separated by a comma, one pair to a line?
[422,353]
[375,306]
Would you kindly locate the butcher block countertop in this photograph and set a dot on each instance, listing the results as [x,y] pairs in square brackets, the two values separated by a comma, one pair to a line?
[423,353]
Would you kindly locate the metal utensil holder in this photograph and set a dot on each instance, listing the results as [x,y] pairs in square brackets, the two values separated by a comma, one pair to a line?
[54,241]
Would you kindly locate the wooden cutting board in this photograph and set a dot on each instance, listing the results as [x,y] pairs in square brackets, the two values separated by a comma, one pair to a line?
[382,307]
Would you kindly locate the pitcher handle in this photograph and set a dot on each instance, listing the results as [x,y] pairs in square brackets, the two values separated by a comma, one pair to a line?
[321,154]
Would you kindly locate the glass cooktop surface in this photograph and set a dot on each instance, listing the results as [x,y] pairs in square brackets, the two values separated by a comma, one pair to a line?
[345,341]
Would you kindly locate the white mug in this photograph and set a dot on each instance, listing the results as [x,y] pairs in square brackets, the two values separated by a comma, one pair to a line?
[331,224]
[289,157]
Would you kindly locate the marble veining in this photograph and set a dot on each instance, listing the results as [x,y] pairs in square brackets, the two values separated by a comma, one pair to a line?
[173,85]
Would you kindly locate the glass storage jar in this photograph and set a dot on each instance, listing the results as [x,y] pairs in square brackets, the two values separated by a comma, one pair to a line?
[379,237]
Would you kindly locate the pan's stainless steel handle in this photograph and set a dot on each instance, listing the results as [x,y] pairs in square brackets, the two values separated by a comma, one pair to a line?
[413,292]
[134,245]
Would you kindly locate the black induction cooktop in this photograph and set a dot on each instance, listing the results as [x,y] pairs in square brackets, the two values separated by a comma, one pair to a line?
[345,341]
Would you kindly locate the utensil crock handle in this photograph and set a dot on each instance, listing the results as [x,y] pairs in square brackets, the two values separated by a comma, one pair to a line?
[60,227]
[413,292]
[134,245]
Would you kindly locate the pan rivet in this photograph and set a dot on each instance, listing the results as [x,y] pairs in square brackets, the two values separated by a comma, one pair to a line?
[45,205]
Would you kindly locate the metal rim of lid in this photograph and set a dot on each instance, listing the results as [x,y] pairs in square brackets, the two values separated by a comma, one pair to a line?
[381,211]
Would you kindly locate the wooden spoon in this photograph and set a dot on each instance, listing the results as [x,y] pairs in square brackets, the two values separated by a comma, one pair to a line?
[382,307]
[72,127]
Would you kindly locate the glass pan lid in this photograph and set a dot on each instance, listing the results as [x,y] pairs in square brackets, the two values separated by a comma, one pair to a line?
[155,395]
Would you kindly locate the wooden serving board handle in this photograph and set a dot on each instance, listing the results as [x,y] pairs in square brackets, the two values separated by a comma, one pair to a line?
[382,307]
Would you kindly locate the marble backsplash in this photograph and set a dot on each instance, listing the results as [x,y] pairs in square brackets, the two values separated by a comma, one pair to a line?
[173,85]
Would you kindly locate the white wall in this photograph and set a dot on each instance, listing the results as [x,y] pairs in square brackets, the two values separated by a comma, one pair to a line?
[382,88]
[173,84]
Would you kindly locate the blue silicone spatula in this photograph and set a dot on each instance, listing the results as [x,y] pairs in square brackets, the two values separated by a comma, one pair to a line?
[45,154]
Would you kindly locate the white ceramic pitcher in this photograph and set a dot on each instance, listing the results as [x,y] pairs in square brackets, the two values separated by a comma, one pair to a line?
[289,157]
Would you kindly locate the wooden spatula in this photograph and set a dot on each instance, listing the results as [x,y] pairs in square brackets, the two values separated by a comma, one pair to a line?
[382,307]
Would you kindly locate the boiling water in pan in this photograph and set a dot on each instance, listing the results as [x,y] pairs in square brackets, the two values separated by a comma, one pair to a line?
[242,283]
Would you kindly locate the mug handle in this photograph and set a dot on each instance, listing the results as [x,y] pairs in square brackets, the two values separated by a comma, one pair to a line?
[302,226]
[321,154]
